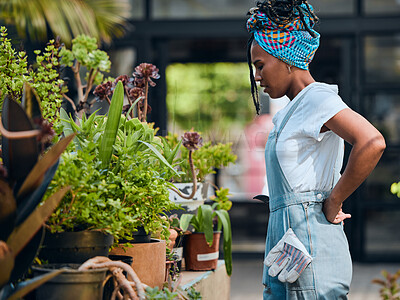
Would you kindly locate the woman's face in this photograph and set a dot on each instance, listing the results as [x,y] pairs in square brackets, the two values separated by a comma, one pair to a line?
[271,73]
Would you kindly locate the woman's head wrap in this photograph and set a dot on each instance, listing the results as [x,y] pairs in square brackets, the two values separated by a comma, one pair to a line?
[291,42]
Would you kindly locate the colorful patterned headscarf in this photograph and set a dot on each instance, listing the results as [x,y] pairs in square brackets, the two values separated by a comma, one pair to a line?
[290,42]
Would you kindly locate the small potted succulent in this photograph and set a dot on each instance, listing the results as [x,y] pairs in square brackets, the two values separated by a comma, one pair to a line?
[202,245]
[194,162]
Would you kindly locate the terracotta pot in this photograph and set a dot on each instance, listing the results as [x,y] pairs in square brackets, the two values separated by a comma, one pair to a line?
[148,261]
[198,255]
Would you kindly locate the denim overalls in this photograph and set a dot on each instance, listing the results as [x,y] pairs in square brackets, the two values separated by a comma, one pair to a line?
[329,274]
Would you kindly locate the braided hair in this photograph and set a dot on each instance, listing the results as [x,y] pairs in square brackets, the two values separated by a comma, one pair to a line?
[280,12]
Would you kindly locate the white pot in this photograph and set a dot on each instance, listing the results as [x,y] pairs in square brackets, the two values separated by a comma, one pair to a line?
[186,189]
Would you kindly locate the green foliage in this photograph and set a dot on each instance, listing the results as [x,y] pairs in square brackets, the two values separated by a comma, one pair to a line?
[43,76]
[13,68]
[205,159]
[193,294]
[209,97]
[202,221]
[46,80]
[38,19]
[85,51]
[221,197]
[110,132]
[85,56]
[395,189]
[166,294]
[390,287]
[156,293]
[130,192]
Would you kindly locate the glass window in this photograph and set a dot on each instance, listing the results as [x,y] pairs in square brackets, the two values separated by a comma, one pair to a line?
[223,9]
[123,61]
[137,9]
[377,185]
[329,7]
[374,7]
[382,59]
[383,111]
[200,9]
[382,232]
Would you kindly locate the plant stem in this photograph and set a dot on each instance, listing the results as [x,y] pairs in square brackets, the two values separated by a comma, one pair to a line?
[70,101]
[108,100]
[194,180]
[75,68]
[89,84]
[146,91]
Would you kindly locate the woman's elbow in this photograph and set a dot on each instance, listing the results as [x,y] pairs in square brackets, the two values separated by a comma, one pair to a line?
[379,144]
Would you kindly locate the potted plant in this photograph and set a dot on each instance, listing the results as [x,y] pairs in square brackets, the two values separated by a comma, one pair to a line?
[118,186]
[28,164]
[202,246]
[206,158]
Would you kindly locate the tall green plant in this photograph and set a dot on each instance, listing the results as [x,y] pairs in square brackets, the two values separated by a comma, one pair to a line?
[112,124]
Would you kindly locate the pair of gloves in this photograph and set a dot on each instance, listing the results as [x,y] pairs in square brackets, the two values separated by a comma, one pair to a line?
[288,258]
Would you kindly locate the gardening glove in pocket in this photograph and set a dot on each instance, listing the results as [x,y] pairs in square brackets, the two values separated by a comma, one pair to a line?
[288,258]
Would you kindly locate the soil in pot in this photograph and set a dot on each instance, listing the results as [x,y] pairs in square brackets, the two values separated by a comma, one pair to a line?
[71,284]
[75,247]
[198,255]
[148,260]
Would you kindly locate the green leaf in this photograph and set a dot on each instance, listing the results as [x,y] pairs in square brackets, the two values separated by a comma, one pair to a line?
[185,221]
[223,217]
[114,116]
[159,155]
[89,122]
[207,216]
[67,127]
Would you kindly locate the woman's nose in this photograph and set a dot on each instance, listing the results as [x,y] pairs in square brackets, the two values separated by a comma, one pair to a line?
[257,77]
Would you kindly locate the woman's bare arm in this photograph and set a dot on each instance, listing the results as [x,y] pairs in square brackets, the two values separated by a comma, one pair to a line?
[368,146]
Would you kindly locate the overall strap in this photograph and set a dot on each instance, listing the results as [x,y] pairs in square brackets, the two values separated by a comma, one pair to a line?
[288,115]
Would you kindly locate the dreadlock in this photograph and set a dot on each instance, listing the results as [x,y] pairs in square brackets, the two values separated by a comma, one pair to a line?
[253,83]
[280,12]
[283,12]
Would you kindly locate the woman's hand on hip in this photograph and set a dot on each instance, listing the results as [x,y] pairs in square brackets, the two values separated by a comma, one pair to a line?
[333,212]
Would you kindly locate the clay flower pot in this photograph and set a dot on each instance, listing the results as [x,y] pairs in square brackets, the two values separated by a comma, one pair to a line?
[149,261]
[198,255]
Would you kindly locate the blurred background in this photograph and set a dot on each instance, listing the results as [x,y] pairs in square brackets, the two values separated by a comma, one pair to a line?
[199,47]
